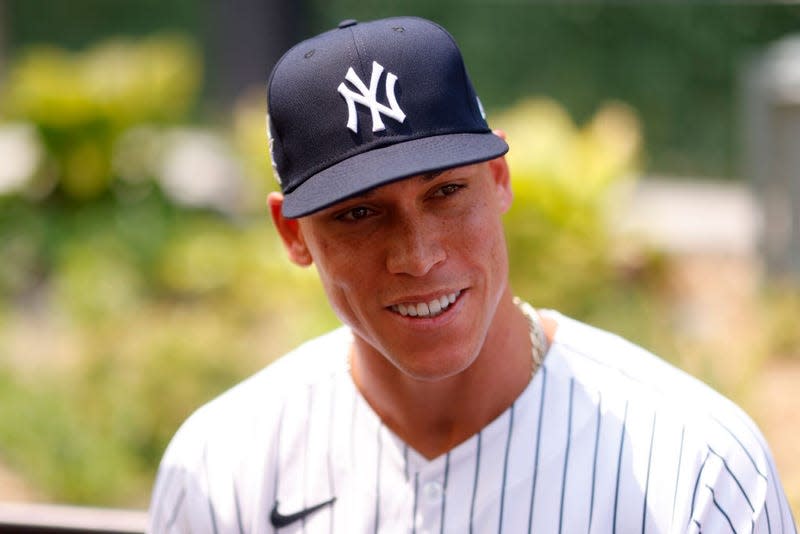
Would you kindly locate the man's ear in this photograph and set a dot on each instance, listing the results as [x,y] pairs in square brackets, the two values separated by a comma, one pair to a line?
[290,232]
[502,177]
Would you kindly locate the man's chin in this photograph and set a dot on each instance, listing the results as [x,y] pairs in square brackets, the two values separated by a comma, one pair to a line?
[431,366]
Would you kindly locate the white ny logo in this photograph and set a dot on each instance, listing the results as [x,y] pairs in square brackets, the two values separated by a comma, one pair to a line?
[368,97]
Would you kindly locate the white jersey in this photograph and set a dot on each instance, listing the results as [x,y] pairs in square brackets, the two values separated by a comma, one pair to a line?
[605,438]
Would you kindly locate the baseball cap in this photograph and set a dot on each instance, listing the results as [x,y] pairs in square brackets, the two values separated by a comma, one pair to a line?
[369,103]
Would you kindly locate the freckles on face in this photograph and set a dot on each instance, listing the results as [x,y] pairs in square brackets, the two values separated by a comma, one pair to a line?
[415,241]
[346,267]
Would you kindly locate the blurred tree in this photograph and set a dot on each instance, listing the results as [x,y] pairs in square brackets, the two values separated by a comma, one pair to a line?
[676,63]
[2,37]
[79,23]
[81,102]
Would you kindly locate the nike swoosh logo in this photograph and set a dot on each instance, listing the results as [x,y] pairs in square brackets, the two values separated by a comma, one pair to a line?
[279,520]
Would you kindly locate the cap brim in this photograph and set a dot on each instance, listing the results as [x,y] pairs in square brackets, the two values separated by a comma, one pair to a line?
[380,166]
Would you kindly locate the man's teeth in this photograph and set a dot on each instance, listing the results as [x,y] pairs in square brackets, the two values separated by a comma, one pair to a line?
[426,309]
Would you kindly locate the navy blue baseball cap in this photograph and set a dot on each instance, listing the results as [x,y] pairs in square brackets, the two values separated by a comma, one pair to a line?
[369,103]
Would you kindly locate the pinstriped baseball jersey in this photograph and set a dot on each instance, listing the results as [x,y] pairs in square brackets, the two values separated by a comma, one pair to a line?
[605,438]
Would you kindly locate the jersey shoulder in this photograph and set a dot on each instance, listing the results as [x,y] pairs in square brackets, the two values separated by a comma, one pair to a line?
[606,364]
[231,437]
[259,396]
[722,450]
[601,360]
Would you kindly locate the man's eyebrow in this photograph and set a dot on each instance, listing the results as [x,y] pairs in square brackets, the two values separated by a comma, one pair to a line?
[428,176]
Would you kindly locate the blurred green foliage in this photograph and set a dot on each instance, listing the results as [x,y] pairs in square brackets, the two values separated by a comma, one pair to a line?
[562,175]
[81,23]
[676,63]
[123,309]
[81,102]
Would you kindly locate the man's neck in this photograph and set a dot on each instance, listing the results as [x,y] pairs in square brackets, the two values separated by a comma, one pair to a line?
[433,417]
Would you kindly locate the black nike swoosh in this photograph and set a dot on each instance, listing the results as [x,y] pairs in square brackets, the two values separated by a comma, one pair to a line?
[279,520]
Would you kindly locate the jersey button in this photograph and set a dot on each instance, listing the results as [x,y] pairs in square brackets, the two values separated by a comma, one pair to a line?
[432,491]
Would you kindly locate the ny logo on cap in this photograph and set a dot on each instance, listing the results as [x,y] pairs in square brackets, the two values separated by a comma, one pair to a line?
[368,97]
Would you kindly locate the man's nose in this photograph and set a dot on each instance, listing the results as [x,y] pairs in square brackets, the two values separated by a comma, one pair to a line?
[415,248]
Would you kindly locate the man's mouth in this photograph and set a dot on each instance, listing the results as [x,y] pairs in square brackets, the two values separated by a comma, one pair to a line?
[431,308]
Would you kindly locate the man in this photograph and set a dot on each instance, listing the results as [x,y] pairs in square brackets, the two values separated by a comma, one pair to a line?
[444,404]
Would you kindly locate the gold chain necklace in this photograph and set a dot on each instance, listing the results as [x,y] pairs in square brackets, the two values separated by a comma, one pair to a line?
[539,343]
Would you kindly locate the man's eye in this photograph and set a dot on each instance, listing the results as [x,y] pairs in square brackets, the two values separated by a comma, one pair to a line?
[447,190]
[355,214]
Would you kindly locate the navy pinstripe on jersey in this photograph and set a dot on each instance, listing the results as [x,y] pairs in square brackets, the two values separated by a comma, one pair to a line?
[606,438]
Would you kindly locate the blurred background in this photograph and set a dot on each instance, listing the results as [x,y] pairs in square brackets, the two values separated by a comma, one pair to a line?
[654,149]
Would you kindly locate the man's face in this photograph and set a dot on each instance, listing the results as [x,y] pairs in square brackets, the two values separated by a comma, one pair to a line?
[416,268]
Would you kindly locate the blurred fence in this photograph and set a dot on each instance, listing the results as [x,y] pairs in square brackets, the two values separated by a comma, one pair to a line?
[50,519]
